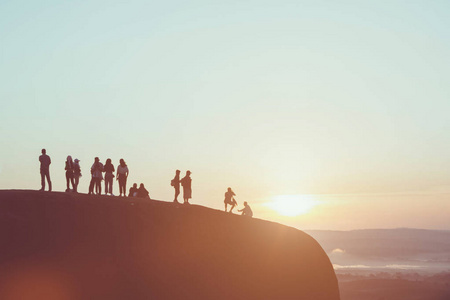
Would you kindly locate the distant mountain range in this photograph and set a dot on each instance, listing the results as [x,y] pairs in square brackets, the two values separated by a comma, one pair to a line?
[403,248]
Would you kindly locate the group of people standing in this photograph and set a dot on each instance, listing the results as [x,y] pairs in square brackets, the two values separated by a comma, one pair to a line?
[97,171]
[73,174]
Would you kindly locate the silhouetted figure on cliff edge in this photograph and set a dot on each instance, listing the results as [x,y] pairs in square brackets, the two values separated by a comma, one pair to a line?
[175,182]
[122,175]
[69,173]
[246,211]
[133,190]
[229,199]
[97,176]
[109,176]
[45,170]
[76,174]
[187,190]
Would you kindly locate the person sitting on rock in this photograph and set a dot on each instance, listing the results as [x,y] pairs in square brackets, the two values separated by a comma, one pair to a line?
[142,192]
[229,199]
[133,190]
[246,211]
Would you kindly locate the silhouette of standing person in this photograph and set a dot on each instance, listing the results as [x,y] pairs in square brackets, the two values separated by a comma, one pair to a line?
[96,171]
[229,199]
[246,211]
[69,173]
[175,182]
[122,175]
[186,182]
[76,174]
[45,170]
[109,176]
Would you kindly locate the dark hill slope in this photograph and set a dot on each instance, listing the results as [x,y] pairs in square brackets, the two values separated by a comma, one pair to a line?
[68,246]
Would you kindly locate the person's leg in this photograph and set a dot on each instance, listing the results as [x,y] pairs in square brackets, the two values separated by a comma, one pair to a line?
[47,175]
[42,180]
[67,182]
[49,182]
[121,187]
[232,206]
[110,183]
[125,187]
[91,186]
[99,186]
[76,180]
[177,192]
[106,185]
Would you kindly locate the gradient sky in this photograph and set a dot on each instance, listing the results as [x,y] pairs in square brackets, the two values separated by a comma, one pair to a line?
[345,101]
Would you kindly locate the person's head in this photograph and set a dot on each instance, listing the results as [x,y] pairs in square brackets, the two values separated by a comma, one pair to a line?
[229,189]
[122,162]
[69,158]
[108,161]
[188,173]
[97,159]
[43,151]
[135,185]
[76,160]
[245,203]
[141,185]
[177,172]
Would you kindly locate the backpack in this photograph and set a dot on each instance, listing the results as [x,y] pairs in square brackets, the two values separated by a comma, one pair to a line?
[172,182]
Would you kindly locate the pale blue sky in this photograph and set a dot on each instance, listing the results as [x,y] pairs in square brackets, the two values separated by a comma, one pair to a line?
[268,97]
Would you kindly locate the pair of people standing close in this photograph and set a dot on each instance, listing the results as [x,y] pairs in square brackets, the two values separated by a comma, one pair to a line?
[96,177]
[73,173]
[186,182]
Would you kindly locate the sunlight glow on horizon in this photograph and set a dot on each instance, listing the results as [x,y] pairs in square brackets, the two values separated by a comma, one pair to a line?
[292,205]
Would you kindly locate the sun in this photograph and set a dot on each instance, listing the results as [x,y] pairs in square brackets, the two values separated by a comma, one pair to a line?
[292,205]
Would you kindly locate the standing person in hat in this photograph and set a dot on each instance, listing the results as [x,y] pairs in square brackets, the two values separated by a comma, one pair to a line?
[175,182]
[45,161]
[69,173]
[76,174]
[187,187]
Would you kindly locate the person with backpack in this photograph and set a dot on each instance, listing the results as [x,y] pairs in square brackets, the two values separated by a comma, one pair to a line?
[229,199]
[69,173]
[97,177]
[109,176]
[175,182]
[76,174]
[186,182]
[122,175]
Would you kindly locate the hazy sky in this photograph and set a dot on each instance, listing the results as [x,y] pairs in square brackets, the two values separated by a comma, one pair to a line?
[344,101]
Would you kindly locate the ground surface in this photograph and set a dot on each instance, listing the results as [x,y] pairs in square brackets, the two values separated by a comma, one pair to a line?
[69,246]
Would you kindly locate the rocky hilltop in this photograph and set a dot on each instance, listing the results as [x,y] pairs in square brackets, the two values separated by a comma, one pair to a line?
[74,246]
